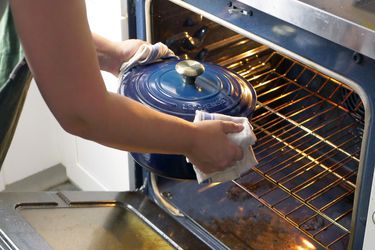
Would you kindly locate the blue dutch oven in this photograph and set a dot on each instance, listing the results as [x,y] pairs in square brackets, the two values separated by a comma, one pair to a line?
[179,88]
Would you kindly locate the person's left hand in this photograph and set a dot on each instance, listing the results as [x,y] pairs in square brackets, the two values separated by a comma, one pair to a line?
[126,49]
[112,55]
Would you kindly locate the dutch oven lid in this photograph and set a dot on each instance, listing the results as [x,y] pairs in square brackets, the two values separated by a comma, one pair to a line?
[179,87]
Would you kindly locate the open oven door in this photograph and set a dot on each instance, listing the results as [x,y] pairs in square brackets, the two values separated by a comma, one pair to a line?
[88,220]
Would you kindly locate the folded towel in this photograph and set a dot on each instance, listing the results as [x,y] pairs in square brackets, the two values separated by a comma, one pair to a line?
[244,139]
[146,54]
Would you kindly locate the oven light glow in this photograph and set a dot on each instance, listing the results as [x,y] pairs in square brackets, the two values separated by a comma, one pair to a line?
[306,245]
[211,185]
[283,30]
[233,65]
[242,42]
[241,211]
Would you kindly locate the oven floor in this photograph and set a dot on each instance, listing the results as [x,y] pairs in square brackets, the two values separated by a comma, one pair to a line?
[234,217]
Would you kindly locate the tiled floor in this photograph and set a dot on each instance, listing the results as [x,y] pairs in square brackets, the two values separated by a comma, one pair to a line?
[66,186]
[51,179]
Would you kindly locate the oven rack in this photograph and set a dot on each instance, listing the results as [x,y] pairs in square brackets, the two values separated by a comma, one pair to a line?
[309,128]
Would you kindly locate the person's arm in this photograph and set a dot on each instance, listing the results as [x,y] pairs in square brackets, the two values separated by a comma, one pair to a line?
[62,56]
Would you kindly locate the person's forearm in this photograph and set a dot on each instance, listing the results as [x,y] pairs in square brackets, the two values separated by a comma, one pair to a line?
[132,126]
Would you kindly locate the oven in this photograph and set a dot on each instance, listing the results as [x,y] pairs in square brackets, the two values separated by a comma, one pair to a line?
[312,65]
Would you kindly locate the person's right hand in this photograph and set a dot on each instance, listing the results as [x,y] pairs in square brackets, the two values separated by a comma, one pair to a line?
[211,149]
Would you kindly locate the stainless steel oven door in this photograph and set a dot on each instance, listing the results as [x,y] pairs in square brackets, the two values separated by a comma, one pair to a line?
[88,220]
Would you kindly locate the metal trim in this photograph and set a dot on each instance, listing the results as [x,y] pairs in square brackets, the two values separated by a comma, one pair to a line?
[323,22]
[7,241]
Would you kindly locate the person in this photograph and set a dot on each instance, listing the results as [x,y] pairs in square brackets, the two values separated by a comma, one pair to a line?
[65,59]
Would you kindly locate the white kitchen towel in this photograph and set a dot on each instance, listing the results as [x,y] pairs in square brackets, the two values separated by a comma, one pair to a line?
[245,139]
[146,54]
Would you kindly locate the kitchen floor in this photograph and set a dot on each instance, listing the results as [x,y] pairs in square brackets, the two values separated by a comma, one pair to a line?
[51,179]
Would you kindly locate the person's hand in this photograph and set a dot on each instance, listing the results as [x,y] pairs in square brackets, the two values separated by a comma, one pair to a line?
[112,55]
[128,48]
[211,149]
[123,52]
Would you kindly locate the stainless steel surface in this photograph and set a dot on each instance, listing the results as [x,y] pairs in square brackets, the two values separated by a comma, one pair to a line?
[345,22]
[6,243]
[163,201]
[190,69]
[93,227]
[89,220]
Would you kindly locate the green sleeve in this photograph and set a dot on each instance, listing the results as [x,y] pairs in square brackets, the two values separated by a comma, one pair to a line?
[14,81]
[10,49]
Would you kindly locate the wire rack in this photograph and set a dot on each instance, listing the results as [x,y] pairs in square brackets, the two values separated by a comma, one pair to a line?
[309,129]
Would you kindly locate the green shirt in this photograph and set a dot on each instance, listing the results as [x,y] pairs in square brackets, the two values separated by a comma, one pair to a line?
[13,82]
[10,49]
[3,5]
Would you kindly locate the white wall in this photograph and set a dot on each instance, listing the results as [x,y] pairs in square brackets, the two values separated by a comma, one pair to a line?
[2,184]
[108,18]
[40,142]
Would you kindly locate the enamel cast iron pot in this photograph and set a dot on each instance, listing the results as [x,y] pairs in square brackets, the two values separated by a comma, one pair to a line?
[179,87]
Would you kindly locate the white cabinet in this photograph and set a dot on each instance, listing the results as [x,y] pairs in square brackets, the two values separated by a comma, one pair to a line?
[97,167]
[36,142]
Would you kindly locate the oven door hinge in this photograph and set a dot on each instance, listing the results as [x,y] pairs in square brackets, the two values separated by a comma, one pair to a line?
[235,8]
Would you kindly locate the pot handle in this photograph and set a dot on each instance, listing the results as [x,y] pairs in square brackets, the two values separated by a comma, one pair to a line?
[189,69]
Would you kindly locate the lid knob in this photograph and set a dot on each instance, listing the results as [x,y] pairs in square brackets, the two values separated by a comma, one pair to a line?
[189,69]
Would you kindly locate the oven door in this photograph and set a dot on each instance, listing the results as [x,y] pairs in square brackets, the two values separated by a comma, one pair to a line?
[313,122]
[88,220]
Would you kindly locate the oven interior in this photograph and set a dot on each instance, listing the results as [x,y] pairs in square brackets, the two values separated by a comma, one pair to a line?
[309,128]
